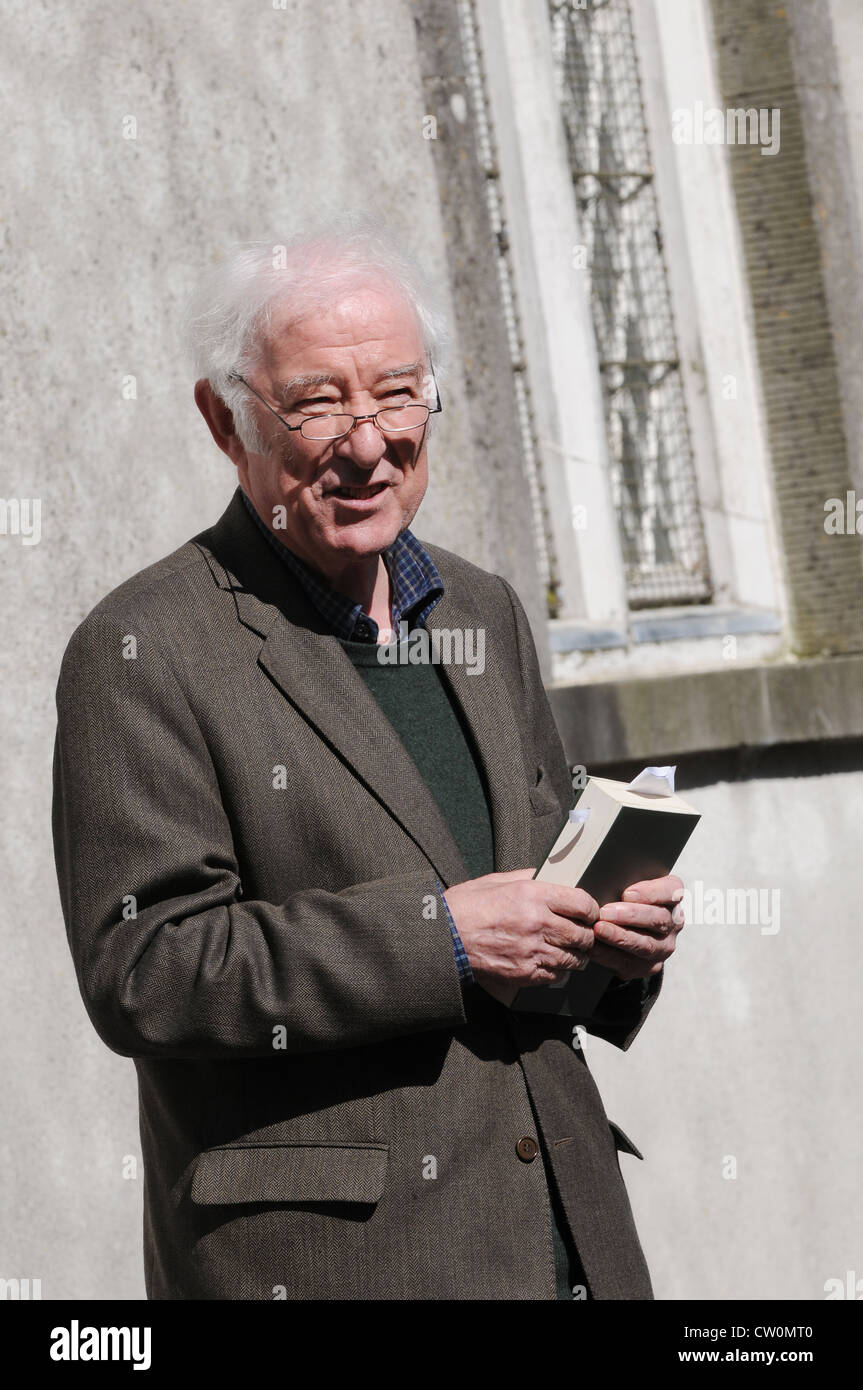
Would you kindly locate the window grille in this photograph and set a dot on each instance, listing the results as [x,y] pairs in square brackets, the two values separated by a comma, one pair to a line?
[653,476]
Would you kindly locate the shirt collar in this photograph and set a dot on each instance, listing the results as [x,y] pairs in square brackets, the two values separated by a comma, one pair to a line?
[416,584]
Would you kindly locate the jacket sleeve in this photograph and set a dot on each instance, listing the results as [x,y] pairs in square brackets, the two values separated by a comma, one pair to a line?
[172,961]
[625,1004]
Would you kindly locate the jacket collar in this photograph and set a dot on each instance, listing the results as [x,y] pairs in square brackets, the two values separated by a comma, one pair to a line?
[416,584]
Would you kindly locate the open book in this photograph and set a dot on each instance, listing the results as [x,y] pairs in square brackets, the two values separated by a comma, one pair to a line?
[615,836]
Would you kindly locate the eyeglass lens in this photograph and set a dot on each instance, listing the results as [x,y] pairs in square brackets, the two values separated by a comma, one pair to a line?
[393,420]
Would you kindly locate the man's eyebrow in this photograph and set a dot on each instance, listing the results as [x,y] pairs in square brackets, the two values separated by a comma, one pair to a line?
[285,388]
[311,379]
[413,369]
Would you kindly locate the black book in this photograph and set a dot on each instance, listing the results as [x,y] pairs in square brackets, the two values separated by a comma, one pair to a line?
[617,835]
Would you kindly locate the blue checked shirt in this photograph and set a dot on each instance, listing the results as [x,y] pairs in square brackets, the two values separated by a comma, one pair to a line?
[416,588]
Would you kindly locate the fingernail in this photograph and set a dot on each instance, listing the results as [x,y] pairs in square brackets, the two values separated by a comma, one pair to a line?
[677,895]
[678,916]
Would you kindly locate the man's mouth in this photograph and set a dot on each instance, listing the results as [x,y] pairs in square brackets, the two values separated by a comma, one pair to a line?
[358,493]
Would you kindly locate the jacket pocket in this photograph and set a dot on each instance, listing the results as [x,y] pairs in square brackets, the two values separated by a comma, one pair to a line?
[622,1141]
[543,797]
[290,1173]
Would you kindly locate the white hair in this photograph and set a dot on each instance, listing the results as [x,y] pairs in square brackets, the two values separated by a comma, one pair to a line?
[229,315]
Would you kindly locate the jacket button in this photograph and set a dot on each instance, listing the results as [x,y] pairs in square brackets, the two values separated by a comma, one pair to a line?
[527,1149]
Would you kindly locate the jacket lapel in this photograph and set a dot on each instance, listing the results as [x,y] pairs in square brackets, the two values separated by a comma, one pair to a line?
[317,677]
[312,671]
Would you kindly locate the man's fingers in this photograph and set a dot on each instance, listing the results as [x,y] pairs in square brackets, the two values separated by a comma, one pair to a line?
[553,964]
[643,945]
[627,966]
[571,902]
[566,935]
[638,915]
[660,891]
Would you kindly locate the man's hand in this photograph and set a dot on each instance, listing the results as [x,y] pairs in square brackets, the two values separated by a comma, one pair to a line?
[517,931]
[635,937]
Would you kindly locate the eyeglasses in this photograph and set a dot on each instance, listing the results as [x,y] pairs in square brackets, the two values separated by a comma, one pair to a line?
[393,419]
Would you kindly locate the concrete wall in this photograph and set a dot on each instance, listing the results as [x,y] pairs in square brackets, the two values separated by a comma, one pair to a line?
[140,141]
[752,1052]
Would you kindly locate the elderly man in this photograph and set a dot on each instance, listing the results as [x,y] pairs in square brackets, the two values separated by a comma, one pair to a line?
[297,877]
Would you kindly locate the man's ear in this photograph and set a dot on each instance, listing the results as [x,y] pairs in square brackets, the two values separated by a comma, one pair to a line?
[220,421]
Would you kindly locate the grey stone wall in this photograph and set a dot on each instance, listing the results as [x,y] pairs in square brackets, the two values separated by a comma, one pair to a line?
[827,53]
[794,336]
[140,141]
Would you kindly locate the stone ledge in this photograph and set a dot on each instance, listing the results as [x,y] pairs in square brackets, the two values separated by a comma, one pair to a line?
[703,711]
[660,625]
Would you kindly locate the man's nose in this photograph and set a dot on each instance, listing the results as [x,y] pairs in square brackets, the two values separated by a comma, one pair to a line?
[365,444]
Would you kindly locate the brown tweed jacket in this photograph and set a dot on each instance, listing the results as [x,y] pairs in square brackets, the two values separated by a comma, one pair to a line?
[247,860]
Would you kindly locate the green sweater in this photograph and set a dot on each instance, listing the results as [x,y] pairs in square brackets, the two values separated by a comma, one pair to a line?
[417,702]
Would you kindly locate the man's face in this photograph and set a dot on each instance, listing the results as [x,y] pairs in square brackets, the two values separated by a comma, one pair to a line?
[358,355]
